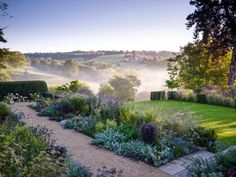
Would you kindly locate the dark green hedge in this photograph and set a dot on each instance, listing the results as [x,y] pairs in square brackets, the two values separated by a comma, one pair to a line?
[23,88]
[158,95]
[201,98]
[172,95]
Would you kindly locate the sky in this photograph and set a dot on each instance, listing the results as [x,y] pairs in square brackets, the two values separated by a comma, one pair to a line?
[68,25]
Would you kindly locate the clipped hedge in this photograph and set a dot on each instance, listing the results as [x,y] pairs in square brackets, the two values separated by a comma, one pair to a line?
[158,95]
[172,95]
[23,88]
[203,98]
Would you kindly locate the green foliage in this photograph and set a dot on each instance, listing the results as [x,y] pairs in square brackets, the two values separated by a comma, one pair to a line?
[159,95]
[196,67]
[99,127]
[172,95]
[201,98]
[109,138]
[23,88]
[4,111]
[130,131]
[75,87]
[220,101]
[71,68]
[79,105]
[48,111]
[139,151]
[76,169]
[111,123]
[86,125]
[110,111]
[227,159]
[106,93]
[44,165]
[220,36]
[70,123]
[119,89]
[5,76]
[24,153]
[211,99]
[204,137]
[205,168]
[104,172]
[127,114]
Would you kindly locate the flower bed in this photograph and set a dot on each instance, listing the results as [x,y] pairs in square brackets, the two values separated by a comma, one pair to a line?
[153,138]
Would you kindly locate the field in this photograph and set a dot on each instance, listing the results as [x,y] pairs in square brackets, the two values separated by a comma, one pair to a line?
[222,119]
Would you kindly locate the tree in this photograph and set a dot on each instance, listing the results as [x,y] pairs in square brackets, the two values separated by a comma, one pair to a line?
[215,21]
[71,68]
[3,8]
[195,68]
[119,88]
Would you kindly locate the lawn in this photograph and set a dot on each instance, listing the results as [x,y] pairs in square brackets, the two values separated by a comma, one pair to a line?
[222,119]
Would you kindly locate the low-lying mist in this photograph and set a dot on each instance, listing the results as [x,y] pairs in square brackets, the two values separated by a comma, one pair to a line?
[151,79]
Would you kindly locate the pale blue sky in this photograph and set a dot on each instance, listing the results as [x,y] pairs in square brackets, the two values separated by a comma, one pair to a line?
[67,25]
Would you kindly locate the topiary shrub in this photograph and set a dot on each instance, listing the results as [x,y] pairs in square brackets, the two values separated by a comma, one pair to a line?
[4,110]
[158,95]
[173,95]
[148,133]
[201,98]
[23,88]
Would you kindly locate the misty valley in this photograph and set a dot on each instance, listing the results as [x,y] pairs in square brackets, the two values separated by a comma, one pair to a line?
[97,67]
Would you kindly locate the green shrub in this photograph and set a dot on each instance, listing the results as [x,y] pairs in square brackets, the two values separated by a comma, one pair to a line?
[191,98]
[4,110]
[86,125]
[201,98]
[23,88]
[173,95]
[99,127]
[110,111]
[70,123]
[206,168]
[49,111]
[130,131]
[109,138]
[158,95]
[127,114]
[76,169]
[205,138]
[138,150]
[220,101]
[79,105]
[227,159]
[23,153]
[111,123]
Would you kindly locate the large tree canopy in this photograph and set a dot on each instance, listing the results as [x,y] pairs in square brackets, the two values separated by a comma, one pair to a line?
[3,8]
[195,68]
[215,22]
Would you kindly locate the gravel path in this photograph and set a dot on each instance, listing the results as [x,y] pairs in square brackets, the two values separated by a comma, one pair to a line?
[79,146]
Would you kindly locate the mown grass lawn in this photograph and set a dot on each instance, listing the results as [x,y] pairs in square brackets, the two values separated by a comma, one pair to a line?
[222,119]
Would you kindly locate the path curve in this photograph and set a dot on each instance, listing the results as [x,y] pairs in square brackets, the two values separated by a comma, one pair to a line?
[79,146]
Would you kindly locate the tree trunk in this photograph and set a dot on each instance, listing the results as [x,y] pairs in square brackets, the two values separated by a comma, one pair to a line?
[232,71]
